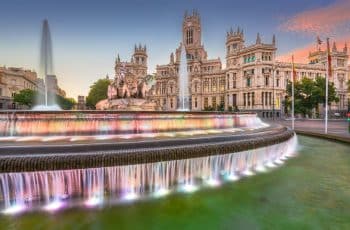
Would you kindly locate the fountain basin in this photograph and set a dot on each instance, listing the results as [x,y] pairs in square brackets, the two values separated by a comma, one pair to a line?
[206,149]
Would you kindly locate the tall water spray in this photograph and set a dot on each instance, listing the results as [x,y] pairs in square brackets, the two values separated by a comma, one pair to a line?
[46,69]
[184,104]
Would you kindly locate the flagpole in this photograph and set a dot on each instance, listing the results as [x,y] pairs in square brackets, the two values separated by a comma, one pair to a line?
[326,99]
[293,78]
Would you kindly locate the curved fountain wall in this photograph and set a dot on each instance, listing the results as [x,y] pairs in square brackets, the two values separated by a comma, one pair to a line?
[56,175]
[52,190]
[74,123]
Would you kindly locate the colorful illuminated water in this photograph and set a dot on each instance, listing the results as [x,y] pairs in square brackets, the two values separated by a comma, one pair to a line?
[123,124]
[310,191]
[53,190]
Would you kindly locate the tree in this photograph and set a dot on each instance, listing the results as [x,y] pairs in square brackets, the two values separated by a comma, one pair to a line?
[29,98]
[308,94]
[98,92]
[25,97]
[65,103]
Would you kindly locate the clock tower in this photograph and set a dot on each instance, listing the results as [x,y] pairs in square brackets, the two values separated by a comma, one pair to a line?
[191,30]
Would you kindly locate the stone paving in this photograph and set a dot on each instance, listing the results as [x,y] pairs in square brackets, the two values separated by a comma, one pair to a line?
[335,127]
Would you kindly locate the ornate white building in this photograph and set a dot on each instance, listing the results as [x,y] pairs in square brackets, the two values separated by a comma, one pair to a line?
[253,79]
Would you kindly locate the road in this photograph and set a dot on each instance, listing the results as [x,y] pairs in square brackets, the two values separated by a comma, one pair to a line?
[336,127]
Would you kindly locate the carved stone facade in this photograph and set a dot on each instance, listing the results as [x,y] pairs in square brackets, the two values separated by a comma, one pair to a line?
[253,79]
[13,80]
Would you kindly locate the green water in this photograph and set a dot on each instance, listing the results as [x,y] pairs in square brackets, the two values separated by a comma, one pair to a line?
[311,191]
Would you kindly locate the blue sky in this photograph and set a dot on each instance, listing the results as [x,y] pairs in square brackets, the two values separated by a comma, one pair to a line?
[87,35]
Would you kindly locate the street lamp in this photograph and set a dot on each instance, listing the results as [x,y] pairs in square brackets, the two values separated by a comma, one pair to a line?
[273,92]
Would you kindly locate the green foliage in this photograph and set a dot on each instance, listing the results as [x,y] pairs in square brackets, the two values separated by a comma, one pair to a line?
[65,103]
[220,108]
[28,98]
[308,94]
[25,97]
[98,92]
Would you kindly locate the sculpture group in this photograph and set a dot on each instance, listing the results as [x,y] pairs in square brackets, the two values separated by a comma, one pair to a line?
[128,92]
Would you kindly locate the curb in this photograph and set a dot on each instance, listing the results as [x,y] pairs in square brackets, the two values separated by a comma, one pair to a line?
[331,137]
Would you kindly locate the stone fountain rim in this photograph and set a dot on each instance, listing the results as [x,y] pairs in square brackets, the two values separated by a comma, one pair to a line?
[85,158]
[121,111]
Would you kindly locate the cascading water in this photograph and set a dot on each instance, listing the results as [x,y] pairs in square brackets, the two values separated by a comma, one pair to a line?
[46,69]
[53,190]
[184,104]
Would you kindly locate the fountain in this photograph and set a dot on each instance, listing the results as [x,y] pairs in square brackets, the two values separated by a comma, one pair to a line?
[46,69]
[57,159]
[184,104]
[53,190]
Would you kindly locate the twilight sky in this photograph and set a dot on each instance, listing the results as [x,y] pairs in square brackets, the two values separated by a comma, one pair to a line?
[88,34]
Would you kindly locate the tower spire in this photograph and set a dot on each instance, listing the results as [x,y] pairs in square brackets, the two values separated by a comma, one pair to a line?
[345,49]
[274,40]
[334,48]
[258,39]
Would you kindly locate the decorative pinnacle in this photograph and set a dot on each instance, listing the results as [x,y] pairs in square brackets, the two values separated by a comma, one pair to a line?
[258,39]
[334,48]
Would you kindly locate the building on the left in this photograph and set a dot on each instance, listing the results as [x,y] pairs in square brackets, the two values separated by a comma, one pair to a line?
[13,80]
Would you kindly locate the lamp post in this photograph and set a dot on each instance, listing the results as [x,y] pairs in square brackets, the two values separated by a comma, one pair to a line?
[273,92]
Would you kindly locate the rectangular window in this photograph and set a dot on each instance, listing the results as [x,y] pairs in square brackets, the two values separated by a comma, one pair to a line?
[253,98]
[205,102]
[195,102]
[270,98]
[206,85]
[234,100]
[249,83]
[222,84]
[266,81]
[244,99]
[234,80]
[213,102]
[277,82]
[248,99]
[262,98]
[222,100]
[213,85]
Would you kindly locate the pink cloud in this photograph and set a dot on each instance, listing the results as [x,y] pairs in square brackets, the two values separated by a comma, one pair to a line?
[301,54]
[324,20]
